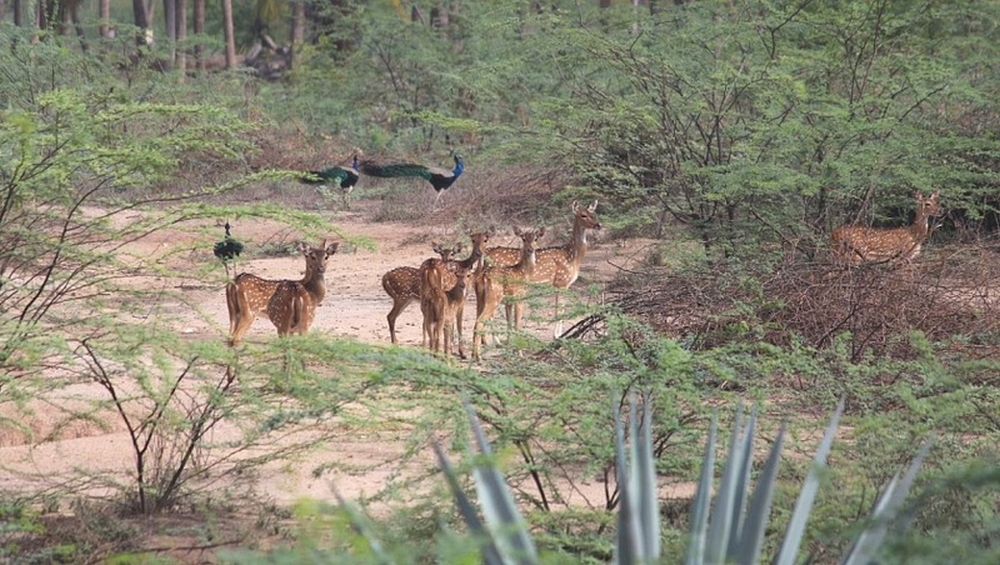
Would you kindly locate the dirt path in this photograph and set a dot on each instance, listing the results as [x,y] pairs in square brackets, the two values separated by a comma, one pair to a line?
[355,306]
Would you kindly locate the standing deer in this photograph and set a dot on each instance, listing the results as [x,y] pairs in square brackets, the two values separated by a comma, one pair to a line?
[441,307]
[560,265]
[856,245]
[402,284]
[291,305]
[496,282]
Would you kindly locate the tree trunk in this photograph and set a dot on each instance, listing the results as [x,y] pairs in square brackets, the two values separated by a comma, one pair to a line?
[18,13]
[3,9]
[199,30]
[181,34]
[170,26]
[227,20]
[141,16]
[298,29]
[104,13]
[298,23]
[41,15]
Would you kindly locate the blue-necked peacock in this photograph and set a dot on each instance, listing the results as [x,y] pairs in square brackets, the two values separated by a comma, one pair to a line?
[440,179]
[228,250]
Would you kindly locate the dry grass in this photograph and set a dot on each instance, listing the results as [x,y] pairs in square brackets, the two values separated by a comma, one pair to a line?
[952,293]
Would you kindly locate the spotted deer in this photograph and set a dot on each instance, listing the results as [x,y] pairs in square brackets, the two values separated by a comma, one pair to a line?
[856,245]
[559,265]
[402,284]
[497,282]
[441,307]
[290,305]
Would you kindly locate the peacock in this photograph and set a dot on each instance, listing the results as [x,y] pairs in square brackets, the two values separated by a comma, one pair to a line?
[228,250]
[440,179]
[346,179]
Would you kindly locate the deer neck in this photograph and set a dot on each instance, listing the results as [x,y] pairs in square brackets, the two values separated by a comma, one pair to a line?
[920,225]
[473,259]
[315,284]
[457,292]
[577,248]
[527,263]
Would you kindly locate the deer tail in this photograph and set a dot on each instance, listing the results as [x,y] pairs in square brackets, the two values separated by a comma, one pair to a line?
[298,310]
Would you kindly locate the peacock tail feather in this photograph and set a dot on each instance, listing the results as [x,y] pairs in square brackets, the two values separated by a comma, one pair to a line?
[396,170]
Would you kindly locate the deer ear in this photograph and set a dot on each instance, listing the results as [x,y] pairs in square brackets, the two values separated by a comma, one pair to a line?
[593,207]
[332,248]
[436,247]
[575,206]
[303,247]
[517,231]
[492,231]
[541,233]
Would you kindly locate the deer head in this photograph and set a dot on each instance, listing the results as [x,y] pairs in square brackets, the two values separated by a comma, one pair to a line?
[587,216]
[316,257]
[929,206]
[530,237]
[446,252]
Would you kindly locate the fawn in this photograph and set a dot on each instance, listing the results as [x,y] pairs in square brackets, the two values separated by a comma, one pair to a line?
[291,305]
[442,308]
[855,245]
[496,282]
[559,265]
[402,284]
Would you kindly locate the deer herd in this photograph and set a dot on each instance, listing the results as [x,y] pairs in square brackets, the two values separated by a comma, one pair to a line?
[503,275]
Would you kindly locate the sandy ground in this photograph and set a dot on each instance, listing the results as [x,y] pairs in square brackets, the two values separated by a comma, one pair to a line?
[355,305]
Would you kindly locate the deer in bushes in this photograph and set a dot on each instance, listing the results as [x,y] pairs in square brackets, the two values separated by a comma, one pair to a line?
[402,284]
[856,245]
[558,266]
[495,282]
[290,305]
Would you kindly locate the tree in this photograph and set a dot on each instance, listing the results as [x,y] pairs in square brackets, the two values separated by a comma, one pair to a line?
[142,20]
[199,30]
[104,14]
[182,17]
[227,26]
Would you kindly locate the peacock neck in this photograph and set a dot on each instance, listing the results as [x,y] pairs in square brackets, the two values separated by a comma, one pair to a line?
[458,170]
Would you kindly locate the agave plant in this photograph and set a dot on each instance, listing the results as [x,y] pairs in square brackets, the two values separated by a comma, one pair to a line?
[732,532]
[735,533]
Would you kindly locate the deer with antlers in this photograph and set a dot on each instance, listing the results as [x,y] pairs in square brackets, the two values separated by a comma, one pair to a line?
[856,245]
[402,284]
[290,305]
[559,265]
[496,282]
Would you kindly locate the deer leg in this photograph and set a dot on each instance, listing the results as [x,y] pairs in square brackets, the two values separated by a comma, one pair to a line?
[242,327]
[458,327]
[397,308]
[558,329]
